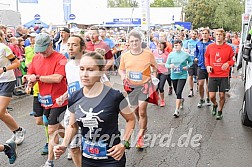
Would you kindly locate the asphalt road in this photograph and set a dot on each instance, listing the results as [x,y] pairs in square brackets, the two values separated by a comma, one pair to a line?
[195,139]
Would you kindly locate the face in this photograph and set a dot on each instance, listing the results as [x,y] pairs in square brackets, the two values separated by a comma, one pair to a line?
[32,40]
[177,47]
[162,37]
[93,35]
[219,36]
[64,35]
[161,46]
[102,33]
[46,53]
[9,33]
[135,43]
[73,47]
[89,72]
[193,35]
[205,35]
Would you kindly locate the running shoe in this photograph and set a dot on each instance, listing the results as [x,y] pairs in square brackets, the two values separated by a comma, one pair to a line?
[214,110]
[182,103]
[18,137]
[170,90]
[201,102]
[162,103]
[140,142]
[48,164]
[191,94]
[194,79]
[12,151]
[69,157]
[44,150]
[219,115]
[176,113]
[31,113]
[208,102]
[9,109]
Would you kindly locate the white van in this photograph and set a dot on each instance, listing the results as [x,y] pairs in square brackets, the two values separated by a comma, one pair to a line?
[245,63]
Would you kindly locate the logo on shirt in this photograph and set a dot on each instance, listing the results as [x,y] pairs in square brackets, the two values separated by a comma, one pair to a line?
[217,57]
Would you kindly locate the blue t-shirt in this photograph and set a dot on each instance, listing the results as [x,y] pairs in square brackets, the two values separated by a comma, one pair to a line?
[180,60]
[109,42]
[98,119]
[191,46]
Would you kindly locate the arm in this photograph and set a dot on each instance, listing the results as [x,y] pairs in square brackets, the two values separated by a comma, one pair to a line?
[196,53]
[121,70]
[54,78]
[14,63]
[207,61]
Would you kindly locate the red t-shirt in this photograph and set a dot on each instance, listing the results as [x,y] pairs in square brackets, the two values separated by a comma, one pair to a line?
[101,45]
[54,64]
[216,56]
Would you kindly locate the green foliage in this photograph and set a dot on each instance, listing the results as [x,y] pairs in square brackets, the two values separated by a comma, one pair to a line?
[215,14]
[162,3]
[122,3]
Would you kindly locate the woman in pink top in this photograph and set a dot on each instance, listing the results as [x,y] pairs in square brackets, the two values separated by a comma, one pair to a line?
[161,57]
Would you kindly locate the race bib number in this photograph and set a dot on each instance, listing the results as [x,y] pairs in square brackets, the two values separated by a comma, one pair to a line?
[45,101]
[177,69]
[72,87]
[135,76]
[94,150]
[159,60]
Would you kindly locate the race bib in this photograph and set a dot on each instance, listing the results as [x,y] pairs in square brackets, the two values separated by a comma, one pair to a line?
[72,87]
[135,76]
[94,150]
[177,69]
[159,60]
[45,101]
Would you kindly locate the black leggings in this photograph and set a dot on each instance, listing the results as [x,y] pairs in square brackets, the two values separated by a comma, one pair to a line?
[178,85]
[169,80]
[162,78]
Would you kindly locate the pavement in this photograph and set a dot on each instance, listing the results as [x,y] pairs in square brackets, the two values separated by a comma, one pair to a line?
[195,139]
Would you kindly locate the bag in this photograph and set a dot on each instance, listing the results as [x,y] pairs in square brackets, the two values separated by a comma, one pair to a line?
[152,94]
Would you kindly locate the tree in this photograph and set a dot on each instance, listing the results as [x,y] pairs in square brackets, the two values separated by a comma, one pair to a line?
[162,3]
[122,3]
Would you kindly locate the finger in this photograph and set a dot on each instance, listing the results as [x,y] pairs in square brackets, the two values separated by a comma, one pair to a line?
[111,149]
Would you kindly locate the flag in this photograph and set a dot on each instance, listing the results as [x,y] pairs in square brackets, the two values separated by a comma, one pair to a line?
[66,9]
[28,1]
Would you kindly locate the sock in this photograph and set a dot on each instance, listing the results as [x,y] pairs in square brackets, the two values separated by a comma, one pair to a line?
[50,161]
[47,135]
[220,112]
[19,129]
[6,147]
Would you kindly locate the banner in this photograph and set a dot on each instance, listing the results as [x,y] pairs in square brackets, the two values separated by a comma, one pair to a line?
[66,9]
[28,1]
[145,13]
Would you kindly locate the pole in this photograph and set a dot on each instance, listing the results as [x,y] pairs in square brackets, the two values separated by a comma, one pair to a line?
[17,5]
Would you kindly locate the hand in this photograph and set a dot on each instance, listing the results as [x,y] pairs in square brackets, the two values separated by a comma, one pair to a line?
[58,151]
[60,100]
[24,78]
[196,60]
[123,76]
[185,68]
[172,65]
[1,70]
[117,151]
[209,69]
[28,90]
[32,78]
[224,66]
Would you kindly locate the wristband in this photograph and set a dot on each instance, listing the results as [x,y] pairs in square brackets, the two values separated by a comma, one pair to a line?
[4,69]
[37,77]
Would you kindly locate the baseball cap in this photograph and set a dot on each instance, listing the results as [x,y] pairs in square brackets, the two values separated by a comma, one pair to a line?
[65,29]
[42,41]
[32,34]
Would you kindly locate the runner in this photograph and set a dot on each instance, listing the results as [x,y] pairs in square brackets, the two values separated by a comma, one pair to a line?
[48,69]
[218,58]
[95,109]
[179,62]
[199,56]
[161,58]
[8,62]
[135,71]
[10,149]
[61,45]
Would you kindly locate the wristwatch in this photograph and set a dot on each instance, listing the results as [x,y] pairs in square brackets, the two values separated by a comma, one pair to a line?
[126,144]
[37,77]
[4,69]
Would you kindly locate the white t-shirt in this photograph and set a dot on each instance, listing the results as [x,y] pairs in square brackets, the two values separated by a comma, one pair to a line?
[63,48]
[4,61]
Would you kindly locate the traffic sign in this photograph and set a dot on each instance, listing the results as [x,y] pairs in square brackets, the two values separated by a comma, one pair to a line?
[36,16]
[72,17]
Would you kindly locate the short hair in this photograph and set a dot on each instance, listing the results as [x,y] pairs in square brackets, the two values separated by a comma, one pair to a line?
[93,28]
[102,28]
[221,30]
[163,43]
[178,41]
[1,37]
[82,42]
[206,29]
[99,59]
[135,34]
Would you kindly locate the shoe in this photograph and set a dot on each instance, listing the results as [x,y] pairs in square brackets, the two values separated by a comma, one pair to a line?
[162,103]
[201,102]
[214,110]
[18,137]
[9,109]
[208,102]
[219,115]
[12,152]
[48,164]
[182,103]
[170,90]
[44,150]
[176,113]
[32,113]
[191,94]
[140,142]
[69,156]
[194,79]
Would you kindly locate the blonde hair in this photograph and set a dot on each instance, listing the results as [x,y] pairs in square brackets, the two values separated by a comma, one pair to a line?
[221,31]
